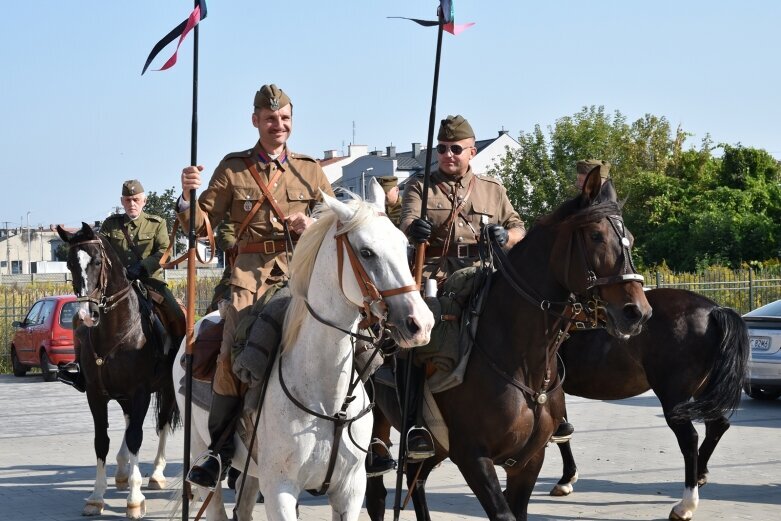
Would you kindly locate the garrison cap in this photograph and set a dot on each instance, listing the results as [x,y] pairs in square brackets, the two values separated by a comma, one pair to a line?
[585,166]
[132,187]
[388,182]
[271,97]
[455,128]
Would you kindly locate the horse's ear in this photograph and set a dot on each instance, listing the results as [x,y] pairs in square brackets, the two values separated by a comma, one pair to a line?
[64,234]
[591,188]
[376,195]
[608,192]
[342,211]
[87,230]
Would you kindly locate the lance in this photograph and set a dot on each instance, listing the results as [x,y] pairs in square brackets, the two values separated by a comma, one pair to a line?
[420,254]
[190,312]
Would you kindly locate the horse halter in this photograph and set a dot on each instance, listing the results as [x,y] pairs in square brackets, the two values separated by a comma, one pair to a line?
[97,296]
[374,307]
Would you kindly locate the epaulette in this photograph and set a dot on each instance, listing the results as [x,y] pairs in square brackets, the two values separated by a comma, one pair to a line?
[490,178]
[296,155]
[115,216]
[153,217]
[239,155]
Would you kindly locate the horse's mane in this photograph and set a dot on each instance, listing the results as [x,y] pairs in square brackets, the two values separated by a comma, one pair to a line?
[303,261]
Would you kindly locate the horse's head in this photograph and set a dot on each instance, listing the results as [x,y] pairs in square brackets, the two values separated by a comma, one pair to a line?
[597,266]
[377,248]
[90,265]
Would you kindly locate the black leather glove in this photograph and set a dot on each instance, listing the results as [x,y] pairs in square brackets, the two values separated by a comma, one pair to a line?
[498,234]
[135,271]
[420,230]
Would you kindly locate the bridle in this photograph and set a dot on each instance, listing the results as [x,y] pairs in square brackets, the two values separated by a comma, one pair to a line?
[98,297]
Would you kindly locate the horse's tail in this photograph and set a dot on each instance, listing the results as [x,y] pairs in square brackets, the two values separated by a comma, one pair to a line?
[166,408]
[722,392]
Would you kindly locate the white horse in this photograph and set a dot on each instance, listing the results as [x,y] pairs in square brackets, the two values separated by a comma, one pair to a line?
[315,367]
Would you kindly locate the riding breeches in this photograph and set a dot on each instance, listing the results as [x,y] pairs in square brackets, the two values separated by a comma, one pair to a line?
[225,382]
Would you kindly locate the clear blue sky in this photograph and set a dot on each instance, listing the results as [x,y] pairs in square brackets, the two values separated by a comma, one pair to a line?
[77,118]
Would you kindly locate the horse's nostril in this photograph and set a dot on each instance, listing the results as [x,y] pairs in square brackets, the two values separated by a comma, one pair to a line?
[412,325]
[632,312]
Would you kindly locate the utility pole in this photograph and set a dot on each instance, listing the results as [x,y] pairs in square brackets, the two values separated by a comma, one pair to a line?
[29,255]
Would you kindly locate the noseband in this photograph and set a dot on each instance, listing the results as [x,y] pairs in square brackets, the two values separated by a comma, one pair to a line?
[374,307]
[98,296]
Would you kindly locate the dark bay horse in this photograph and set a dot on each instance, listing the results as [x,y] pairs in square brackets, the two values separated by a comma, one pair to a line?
[510,401]
[123,359]
[692,353]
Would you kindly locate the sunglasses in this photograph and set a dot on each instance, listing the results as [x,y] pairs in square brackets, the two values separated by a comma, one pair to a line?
[455,149]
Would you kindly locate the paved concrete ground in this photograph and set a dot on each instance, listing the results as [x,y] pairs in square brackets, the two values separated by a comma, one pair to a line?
[630,465]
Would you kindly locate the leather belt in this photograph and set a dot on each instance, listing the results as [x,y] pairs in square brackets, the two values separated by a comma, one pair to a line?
[267,247]
[456,250]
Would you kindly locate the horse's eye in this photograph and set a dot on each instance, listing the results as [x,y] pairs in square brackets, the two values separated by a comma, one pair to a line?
[97,262]
[366,253]
[596,236]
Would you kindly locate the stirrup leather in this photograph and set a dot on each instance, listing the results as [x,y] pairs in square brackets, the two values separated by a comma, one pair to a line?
[421,431]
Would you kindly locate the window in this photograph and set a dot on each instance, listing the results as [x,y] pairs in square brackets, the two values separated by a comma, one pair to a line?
[46,311]
[67,313]
[32,317]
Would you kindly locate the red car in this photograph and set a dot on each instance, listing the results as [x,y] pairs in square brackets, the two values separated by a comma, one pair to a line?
[45,337]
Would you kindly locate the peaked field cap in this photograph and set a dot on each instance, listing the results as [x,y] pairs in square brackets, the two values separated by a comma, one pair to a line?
[585,166]
[271,97]
[132,187]
[455,128]
[387,182]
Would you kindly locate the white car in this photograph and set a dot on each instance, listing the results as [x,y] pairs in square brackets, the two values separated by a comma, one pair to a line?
[763,381]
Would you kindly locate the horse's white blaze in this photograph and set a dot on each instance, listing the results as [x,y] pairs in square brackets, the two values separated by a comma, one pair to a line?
[84,259]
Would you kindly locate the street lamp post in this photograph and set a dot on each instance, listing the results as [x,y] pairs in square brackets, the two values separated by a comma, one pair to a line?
[29,255]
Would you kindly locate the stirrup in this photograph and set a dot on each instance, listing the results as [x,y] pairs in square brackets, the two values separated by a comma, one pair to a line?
[426,452]
[199,461]
[376,471]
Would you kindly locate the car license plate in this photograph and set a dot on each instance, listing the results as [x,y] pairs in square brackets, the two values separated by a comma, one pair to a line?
[759,343]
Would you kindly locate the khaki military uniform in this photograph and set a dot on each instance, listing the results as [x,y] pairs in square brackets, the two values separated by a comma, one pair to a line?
[225,237]
[262,257]
[487,204]
[149,236]
[394,212]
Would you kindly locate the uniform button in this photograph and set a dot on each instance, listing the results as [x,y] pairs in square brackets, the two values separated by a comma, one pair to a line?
[459,239]
[300,196]
[460,224]
[275,185]
[439,205]
[273,219]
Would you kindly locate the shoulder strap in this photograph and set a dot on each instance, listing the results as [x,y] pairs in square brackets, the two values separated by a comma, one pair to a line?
[253,170]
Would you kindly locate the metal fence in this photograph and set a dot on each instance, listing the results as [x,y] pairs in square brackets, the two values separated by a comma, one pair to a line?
[742,290]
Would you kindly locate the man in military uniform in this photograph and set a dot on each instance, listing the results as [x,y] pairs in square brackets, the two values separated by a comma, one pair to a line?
[459,204]
[140,239]
[390,184]
[261,191]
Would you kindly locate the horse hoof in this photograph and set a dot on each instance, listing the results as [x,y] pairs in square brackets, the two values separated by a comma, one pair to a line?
[136,510]
[156,484]
[92,508]
[675,516]
[562,490]
[121,483]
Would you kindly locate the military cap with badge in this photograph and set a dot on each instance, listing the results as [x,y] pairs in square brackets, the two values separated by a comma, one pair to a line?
[271,97]
[131,188]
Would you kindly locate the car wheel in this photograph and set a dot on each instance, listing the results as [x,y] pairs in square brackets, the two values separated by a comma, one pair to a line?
[758,392]
[48,374]
[18,367]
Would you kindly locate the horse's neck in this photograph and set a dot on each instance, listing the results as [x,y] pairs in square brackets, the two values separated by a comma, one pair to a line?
[320,363]
[123,323]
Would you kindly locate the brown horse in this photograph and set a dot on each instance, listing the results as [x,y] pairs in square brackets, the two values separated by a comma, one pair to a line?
[510,401]
[691,349]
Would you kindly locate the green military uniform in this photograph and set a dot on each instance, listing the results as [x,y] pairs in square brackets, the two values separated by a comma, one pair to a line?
[262,254]
[453,242]
[226,240]
[149,236]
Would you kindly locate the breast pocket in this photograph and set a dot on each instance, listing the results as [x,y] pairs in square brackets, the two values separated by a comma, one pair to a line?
[299,200]
[244,198]
[480,215]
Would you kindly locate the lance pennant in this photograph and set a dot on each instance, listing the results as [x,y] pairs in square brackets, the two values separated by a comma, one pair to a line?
[180,31]
[447,13]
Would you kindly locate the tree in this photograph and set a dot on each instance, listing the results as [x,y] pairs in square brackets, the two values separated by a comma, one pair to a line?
[164,205]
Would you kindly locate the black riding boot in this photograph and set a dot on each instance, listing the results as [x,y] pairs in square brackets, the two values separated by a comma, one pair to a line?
[70,373]
[420,444]
[222,425]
